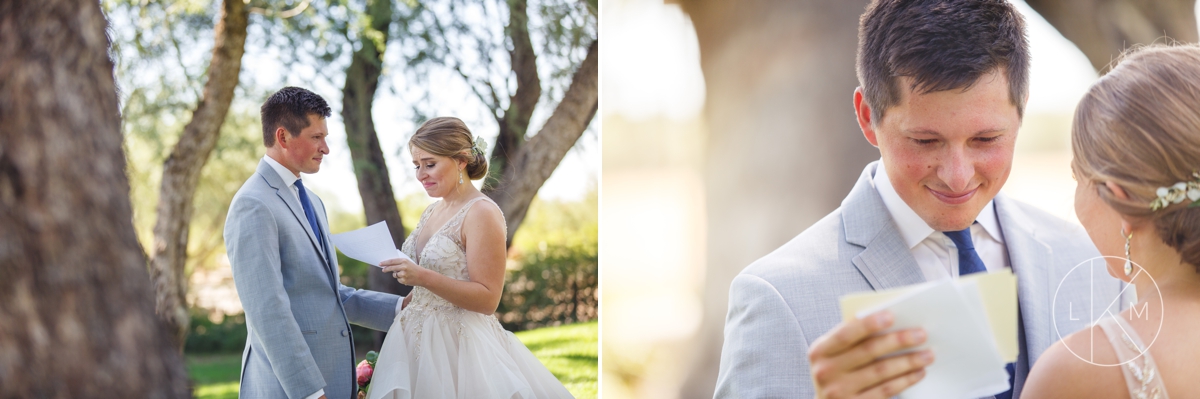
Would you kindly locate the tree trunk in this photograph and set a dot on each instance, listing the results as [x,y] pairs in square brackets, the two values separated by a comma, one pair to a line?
[374,185]
[784,145]
[75,299]
[529,167]
[515,123]
[1103,29]
[181,171]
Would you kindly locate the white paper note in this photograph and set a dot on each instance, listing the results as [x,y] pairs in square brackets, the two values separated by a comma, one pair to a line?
[966,361]
[371,245]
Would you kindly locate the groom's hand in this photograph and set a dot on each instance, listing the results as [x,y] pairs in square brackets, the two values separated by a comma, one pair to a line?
[846,363]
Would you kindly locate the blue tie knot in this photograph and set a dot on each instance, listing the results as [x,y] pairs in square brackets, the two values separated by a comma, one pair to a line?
[968,260]
[961,238]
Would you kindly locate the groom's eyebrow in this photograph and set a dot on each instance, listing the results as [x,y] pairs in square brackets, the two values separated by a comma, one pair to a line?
[931,132]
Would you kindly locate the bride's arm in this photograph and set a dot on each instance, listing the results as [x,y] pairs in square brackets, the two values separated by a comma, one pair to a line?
[483,233]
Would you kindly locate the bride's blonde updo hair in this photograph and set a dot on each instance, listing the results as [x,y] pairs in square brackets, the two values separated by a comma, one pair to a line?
[1139,127]
[449,137]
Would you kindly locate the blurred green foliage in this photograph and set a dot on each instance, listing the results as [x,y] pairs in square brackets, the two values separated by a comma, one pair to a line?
[233,160]
[224,334]
[554,272]
[161,51]
[558,224]
[551,288]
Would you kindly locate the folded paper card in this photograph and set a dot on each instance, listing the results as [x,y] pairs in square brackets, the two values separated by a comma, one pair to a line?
[971,324]
[371,245]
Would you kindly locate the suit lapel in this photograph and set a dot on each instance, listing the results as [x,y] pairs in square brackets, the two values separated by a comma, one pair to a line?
[1032,262]
[284,193]
[885,261]
[330,261]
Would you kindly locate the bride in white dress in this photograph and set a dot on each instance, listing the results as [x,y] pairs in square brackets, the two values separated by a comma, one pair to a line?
[1136,143]
[446,342]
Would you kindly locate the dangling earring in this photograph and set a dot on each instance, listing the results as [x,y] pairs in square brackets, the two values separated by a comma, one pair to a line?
[1128,263]
[460,177]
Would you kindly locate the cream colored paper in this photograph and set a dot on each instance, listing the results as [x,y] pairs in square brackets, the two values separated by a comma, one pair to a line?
[998,291]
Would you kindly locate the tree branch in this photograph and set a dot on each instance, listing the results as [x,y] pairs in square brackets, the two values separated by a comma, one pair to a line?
[181,171]
[1104,29]
[524,99]
[538,158]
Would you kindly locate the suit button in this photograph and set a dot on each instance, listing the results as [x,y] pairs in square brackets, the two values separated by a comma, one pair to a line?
[344,333]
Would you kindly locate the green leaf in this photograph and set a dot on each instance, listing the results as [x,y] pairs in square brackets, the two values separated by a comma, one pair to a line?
[372,357]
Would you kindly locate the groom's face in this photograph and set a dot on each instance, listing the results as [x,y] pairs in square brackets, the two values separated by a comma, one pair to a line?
[305,151]
[947,153]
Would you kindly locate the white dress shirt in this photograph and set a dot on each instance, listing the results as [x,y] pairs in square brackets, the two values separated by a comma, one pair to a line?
[935,253]
[290,179]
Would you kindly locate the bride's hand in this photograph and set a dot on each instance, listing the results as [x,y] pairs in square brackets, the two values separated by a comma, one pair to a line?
[406,272]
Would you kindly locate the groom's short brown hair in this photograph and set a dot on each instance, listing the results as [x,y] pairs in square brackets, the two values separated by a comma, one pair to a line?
[941,45]
[290,107]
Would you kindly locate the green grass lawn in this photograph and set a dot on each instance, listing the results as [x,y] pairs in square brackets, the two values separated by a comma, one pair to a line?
[215,375]
[570,352]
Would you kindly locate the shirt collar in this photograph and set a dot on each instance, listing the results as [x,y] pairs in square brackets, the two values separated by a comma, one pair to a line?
[286,175]
[914,229]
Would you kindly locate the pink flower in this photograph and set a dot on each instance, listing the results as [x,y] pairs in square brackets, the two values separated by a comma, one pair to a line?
[364,371]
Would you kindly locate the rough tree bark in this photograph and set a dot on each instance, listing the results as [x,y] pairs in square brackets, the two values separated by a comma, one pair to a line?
[374,184]
[1102,29]
[784,145]
[75,298]
[181,171]
[527,168]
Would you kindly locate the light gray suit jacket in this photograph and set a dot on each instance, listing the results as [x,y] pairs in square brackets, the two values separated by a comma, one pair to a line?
[297,312]
[781,303]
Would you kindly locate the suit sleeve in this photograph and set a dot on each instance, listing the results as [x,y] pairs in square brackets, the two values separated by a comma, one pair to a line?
[765,354]
[370,309]
[252,241]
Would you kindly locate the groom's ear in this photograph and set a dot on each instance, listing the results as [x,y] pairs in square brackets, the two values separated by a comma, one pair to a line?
[863,111]
[281,136]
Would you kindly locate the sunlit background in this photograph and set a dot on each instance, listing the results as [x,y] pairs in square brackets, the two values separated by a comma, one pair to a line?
[654,212]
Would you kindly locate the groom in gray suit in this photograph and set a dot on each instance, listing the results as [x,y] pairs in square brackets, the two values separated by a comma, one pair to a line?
[943,87]
[298,314]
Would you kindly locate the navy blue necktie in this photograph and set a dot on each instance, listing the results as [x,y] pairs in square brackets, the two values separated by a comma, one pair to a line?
[310,213]
[969,262]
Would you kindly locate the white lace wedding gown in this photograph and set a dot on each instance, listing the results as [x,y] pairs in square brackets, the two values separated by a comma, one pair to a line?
[437,350]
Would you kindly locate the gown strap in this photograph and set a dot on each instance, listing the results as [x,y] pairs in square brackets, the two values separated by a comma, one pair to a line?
[1141,373]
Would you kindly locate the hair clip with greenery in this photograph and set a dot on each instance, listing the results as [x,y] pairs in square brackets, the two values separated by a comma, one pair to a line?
[1175,194]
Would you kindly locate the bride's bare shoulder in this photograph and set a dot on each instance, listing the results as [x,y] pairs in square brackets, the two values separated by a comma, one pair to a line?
[1061,373]
[485,216]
